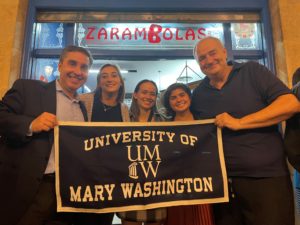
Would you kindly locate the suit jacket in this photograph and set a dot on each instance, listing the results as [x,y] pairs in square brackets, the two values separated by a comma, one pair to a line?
[23,159]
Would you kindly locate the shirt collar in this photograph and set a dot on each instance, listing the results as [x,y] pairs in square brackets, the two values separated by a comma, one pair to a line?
[61,90]
[235,67]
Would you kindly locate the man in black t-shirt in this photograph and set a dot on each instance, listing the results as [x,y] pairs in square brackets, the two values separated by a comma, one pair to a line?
[247,101]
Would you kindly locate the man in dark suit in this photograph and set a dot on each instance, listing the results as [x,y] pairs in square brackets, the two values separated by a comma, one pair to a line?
[28,113]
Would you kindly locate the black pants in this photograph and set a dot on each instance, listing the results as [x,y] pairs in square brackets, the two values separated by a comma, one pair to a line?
[257,201]
[42,211]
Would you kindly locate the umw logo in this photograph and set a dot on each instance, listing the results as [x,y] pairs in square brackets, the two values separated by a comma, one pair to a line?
[143,157]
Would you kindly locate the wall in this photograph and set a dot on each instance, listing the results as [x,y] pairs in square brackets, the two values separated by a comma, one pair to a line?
[290,20]
[286,34]
[8,24]
[12,23]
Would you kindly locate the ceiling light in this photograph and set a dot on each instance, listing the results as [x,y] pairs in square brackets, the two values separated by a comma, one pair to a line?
[184,79]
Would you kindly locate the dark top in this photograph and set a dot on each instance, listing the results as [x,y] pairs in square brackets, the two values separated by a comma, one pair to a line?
[250,87]
[104,113]
[155,116]
[296,91]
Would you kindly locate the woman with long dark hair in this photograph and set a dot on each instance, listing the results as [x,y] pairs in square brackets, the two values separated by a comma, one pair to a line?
[106,105]
[177,101]
[143,109]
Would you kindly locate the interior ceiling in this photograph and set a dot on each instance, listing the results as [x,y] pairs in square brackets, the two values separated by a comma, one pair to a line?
[163,72]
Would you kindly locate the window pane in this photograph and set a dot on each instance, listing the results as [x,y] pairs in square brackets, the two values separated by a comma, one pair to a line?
[162,72]
[260,61]
[142,37]
[246,36]
[49,35]
[137,36]
[46,69]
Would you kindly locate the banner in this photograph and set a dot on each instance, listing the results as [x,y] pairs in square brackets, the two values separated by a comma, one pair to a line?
[114,167]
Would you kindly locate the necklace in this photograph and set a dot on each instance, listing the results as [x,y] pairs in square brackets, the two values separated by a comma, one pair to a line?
[106,107]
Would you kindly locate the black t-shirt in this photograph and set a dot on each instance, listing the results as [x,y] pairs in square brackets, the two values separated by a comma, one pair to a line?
[250,87]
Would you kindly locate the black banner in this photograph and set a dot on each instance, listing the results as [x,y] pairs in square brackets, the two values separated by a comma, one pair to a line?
[113,167]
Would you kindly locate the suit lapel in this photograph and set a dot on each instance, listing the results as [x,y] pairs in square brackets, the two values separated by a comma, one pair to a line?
[83,110]
[49,103]
[49,98]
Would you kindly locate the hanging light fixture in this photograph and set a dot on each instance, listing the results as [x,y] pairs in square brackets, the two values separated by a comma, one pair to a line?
[184,77]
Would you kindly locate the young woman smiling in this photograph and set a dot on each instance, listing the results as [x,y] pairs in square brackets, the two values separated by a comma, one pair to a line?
[177,101]
[106,105]
[143,109]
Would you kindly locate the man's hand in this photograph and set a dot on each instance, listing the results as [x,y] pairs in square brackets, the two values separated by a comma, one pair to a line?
[43,122]
[225,120]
